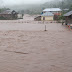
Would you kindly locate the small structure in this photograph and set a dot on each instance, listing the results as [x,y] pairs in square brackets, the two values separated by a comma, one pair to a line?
[65,10]
[20,16]
[47,16]
[68,18]
[8,15]
[38,18]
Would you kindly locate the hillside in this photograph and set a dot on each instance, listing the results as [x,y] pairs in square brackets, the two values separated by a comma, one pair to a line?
[37,8]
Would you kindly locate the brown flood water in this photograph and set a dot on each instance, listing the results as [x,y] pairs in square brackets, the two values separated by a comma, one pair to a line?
[28,48]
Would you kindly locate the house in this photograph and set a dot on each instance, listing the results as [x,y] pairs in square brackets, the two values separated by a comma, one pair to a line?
[8,15]
[47,16]
[68,18]
[56,11]
[38,18]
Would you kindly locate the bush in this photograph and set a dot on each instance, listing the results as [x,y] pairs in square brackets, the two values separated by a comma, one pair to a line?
[3,18]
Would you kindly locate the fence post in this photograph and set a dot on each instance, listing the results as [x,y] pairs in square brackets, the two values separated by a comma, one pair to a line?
[45,28]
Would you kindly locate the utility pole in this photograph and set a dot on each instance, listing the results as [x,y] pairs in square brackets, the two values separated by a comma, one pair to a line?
[62,5]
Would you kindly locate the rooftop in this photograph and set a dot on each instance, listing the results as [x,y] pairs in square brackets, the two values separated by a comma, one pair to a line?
[68,14]
[6,12]
[47,14]
[52,9]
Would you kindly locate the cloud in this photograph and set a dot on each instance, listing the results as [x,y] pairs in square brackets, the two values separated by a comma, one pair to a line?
[15,2]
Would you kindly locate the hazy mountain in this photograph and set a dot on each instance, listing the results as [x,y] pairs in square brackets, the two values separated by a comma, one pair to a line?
[37,8]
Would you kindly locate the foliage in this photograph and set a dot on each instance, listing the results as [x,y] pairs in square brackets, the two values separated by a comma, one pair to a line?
[37,9]
[70,8]
[3,9]
[3,18]
[61,17]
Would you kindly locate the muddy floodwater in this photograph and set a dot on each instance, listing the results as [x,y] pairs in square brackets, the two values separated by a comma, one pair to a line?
[28,48]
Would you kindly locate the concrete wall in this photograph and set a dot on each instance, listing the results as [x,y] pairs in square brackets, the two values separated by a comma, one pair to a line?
[49,18]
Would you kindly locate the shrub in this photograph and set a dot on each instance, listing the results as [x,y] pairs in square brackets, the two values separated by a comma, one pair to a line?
[3,18]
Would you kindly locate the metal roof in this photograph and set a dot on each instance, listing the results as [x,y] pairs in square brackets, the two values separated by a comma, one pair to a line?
[68,14]
[52,9]
[47,14]
[6,12]
[65,9]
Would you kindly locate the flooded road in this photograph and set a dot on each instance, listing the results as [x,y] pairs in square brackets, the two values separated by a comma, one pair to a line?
[31,27]
[28,48]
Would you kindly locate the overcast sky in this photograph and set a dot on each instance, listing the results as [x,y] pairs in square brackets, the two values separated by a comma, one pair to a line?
[15,2]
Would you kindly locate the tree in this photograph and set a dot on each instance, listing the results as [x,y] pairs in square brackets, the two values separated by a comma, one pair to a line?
[70,8]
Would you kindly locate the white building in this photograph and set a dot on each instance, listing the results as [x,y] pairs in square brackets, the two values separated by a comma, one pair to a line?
[56,11]
[20,16]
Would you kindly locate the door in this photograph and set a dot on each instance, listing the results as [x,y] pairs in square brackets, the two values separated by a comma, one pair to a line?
[43,18]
